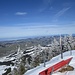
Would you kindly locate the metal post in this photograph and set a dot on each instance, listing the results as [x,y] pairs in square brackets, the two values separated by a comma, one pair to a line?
[61,47]
[52,71]
[44,59]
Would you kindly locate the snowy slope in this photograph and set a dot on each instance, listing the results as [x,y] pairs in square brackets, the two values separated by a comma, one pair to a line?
[54,60]
[3,67]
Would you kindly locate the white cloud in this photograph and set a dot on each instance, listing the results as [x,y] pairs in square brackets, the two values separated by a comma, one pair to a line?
[61,12]
[47,4]
[21,31]
[21,13]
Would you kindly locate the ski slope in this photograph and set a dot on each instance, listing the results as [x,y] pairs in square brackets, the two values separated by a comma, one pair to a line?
[53,61]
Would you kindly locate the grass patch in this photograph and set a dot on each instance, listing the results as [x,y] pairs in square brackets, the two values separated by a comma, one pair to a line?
[68,68]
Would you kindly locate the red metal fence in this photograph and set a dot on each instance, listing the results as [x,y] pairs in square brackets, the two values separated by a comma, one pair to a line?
[55,67]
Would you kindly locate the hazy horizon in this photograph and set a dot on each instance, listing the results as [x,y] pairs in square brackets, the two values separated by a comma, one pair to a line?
[27,37]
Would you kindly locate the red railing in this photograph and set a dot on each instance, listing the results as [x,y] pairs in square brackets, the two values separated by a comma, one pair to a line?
[55,67]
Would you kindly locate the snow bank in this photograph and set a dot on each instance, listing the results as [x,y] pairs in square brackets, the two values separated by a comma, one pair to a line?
[54,60]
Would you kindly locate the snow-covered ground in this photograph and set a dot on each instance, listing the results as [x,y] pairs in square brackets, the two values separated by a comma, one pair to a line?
[40,68]
[3,67]
[54,60]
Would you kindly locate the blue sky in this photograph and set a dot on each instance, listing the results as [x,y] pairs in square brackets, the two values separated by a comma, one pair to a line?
[20,18]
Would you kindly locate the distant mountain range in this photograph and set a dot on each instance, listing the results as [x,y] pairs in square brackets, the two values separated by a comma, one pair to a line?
[20,38]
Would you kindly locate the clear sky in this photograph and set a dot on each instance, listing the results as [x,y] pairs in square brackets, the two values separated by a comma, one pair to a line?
[20,18]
